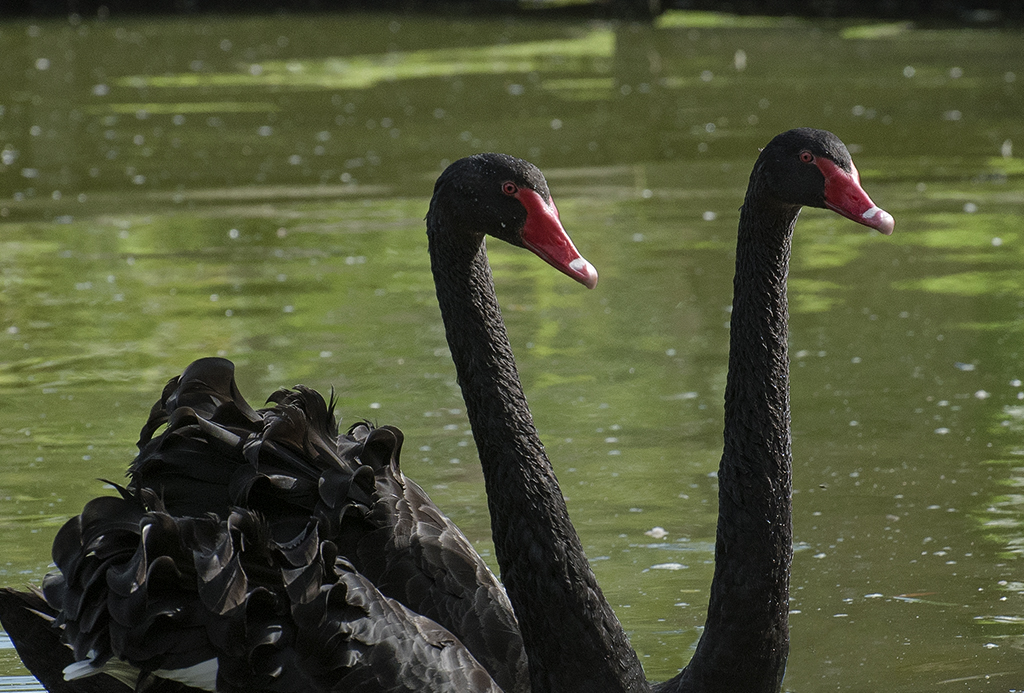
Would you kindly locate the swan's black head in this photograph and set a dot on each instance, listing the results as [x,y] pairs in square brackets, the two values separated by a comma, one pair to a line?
[508,198]
[813,168]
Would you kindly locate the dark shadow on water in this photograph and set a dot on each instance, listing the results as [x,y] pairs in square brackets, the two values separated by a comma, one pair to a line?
[969,12]
[105,9]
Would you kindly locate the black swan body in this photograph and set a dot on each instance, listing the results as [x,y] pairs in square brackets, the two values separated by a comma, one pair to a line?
[571,637]
[746,635]
[261,551]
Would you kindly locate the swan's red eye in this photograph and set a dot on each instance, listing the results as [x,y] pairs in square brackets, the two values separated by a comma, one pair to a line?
[806,157]
[509,188]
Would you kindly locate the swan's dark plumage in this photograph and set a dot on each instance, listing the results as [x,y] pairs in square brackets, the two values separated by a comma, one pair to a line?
[297,558]
[30,623]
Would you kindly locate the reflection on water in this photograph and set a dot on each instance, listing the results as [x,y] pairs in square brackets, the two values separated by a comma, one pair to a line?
[255,187]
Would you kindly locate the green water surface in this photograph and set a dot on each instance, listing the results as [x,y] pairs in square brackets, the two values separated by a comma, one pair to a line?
[256,187]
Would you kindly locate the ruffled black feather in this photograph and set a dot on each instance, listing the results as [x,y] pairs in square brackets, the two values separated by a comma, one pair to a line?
[259,550]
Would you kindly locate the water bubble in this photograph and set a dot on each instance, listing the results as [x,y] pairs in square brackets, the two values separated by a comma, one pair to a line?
[739,60]
[556,124]
[708,216]
[42,64]
[970,207]
[955,73]
[909,71]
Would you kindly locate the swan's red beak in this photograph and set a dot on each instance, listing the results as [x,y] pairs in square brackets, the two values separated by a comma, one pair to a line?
[544,235]
[844,195]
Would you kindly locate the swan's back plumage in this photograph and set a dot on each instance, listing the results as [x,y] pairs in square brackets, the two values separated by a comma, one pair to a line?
[293,557]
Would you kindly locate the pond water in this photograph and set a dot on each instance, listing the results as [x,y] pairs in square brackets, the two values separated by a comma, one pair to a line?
[256,187]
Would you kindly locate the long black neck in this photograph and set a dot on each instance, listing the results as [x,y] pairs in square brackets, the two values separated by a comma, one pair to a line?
[572,638]
[746,636]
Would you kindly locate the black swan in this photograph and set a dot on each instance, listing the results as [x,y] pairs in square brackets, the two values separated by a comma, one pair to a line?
[260,551]
[571,636]
[573,640]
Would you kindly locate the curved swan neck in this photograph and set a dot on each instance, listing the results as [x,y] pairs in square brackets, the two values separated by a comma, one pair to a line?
[746,637]
[572,638]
